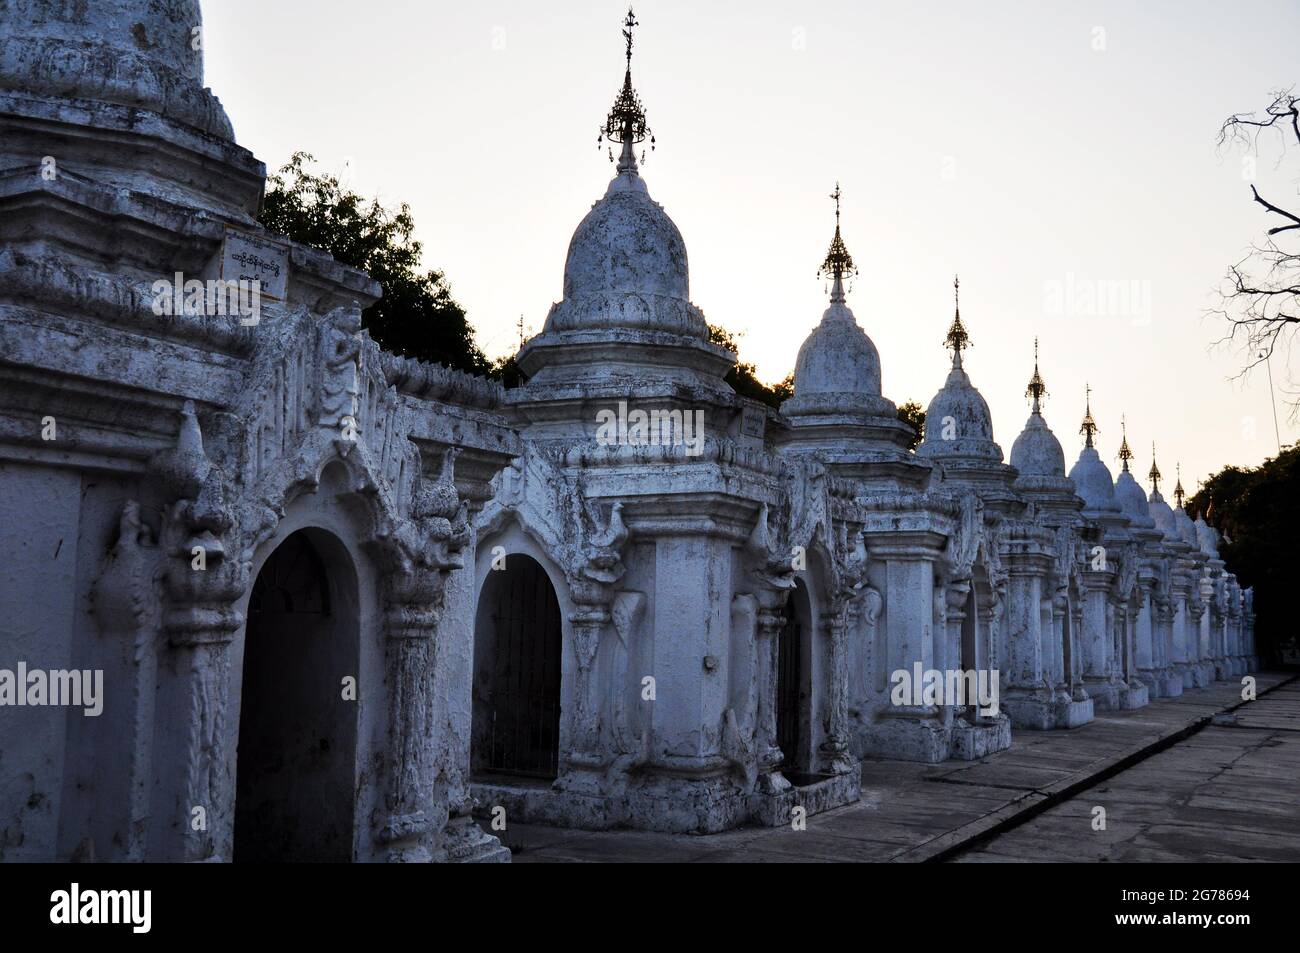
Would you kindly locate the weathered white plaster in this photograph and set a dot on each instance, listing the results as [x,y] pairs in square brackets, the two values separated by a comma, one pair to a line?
[684,565]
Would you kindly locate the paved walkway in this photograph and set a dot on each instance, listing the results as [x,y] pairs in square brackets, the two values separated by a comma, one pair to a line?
[1229,792]
[914,812]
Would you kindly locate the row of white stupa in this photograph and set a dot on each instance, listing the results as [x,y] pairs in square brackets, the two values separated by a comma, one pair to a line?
[1191,620]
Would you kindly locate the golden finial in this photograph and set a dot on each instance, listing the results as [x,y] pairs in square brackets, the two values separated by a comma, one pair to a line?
[1089,428]
[1125,454]
[957,340]
[1179,492]
[626,122]
[839,263]
[1154,476]
[1037,388]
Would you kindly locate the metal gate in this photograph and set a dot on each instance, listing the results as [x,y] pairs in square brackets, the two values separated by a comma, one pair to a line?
[523,732]
[788,679]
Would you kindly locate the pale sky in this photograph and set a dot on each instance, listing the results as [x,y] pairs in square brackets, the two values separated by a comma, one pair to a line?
[1040,150]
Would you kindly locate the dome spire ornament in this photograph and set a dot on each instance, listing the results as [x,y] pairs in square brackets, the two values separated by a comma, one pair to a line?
[1037,387]
[838,263]
[1125,454]
[1179,492]
[1154,476]
[957,340]
[1089,429]
[626,122]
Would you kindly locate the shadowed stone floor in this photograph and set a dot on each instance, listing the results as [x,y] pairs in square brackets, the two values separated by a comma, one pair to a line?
[1229,791]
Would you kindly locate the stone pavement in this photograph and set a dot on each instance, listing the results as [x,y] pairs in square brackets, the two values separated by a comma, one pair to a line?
[916,812]
[1229,792]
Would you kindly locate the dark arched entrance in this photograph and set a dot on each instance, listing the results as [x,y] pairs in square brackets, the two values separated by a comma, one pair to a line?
[296,762]
[517,650]
[793,684]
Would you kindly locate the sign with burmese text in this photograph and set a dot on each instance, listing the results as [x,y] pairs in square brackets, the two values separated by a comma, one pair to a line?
[247,257]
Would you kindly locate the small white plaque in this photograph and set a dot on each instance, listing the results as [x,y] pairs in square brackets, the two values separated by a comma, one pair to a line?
[248,257]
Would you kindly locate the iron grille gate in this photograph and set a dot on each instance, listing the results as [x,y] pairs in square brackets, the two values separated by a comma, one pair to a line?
[790,651]
[524,706]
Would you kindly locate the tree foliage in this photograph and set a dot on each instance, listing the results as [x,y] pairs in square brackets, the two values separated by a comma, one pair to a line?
[417,316]
[742,376]
[1257,511]
[913,414]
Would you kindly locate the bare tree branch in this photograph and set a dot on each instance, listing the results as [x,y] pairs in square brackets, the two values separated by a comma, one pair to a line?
[1280,211]
[1260,295]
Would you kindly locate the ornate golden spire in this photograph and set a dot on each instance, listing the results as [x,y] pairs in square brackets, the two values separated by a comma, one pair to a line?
[626,122]
[1037,388]
[1154,476]
[1125,454]
[1179,492]
[1089,428]
[957,340]
[839,263]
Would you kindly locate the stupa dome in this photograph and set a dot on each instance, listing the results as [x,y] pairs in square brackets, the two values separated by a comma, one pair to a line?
[1186,529]
[958,422]
[837,357]
[1206,537]
[1036,451]
[627,268]
[1132,501]
[838,367]
[1093,482]
[136,53]
[1163,515]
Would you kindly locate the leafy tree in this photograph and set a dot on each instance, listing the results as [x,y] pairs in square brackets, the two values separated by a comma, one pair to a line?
[506,370]
[742,377]
[417,316]
[1257,510]
[913,414]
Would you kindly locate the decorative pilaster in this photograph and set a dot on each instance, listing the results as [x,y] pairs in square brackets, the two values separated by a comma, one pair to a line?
[767,633]
[126,606]
[1058,673]
[202,586]
[588,622]
[835,749]
[410,626]
[419,556]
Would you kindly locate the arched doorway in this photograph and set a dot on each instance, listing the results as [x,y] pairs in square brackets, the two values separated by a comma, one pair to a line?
[793,683]
[517,659]
[296,761]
